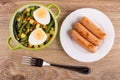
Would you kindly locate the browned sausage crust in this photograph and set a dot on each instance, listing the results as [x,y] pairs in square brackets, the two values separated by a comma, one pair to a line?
[83,42]
[93,28]
[87,34]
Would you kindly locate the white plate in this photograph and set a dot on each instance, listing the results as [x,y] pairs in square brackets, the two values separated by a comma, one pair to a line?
[73,49]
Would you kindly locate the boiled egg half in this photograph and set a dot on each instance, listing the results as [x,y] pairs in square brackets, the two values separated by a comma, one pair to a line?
[42,15]
[38,36]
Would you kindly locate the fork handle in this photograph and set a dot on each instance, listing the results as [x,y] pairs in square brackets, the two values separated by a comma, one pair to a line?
[80,69]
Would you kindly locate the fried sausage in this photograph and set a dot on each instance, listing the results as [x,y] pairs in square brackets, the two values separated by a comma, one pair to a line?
[87,34]
[83,42]
[93,28]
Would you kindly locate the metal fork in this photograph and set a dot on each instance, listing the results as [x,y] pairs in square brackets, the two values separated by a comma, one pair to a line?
[40,62]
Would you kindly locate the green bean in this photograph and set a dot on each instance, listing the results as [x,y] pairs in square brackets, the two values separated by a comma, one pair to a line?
[15,34]
[20,31]
[50,25]
[31,13]
[24,39]
[20,23]
[15,19]
[33,8]
[28,25]
[24,43]
[15,26]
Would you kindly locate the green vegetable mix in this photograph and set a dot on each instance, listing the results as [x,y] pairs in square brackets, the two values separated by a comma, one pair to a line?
[24,24]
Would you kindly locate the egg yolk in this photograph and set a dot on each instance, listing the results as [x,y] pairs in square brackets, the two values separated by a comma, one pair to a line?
[38,34]
[41,13]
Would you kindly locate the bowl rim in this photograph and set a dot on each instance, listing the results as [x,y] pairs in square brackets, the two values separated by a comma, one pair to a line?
[12,20]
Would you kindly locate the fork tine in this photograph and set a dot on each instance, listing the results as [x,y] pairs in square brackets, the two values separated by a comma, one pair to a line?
[33,61]
[26,60]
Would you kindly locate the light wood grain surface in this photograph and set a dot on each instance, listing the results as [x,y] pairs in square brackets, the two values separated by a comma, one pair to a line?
[107,68]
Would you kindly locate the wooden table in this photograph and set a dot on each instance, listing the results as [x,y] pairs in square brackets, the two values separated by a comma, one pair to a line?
[107,68]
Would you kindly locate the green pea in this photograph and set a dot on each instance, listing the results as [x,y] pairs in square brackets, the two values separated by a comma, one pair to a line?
[32,7]
[28,14]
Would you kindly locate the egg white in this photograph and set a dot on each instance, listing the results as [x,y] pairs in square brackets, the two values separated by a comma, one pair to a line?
[34,41]
[44,20]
